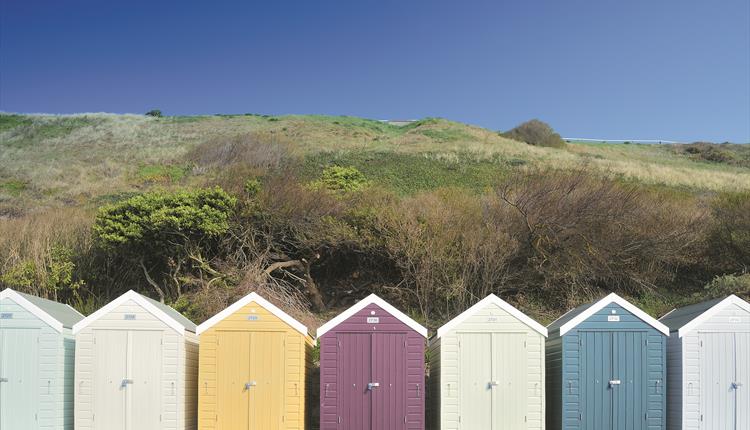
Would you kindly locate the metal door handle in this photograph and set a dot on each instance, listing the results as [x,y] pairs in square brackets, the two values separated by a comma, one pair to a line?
[250,384]
[494,383]
[736,385]
[125,383]
[3,379]
[372,385]
[614,382]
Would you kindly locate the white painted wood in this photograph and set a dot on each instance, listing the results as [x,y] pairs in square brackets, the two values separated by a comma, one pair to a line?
[614,298]
[252,298]
[372,299]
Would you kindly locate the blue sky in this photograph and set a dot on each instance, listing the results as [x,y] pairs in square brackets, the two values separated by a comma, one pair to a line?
[637,69]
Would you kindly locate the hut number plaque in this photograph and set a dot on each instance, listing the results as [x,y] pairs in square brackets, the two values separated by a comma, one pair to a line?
[373,320]
[613,318]
[6,316]
[253,317]
[129,317]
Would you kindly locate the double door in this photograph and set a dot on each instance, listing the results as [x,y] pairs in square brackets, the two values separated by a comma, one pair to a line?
[725,380]
[492,381]
[372,377]
[127,379]
[19,378]
[614,381]
[250,380]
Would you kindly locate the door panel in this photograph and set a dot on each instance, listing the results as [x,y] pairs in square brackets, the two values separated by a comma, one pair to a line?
[742,393]
[19,366]
[232,372]
[110,369]
[595,369]
[144,370]
[389,370]
[354,373]
[628,409]
[510,396]
[717,375]
[475,375]
[267,370]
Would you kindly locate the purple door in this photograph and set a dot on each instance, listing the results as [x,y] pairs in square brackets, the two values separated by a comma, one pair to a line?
[372,374]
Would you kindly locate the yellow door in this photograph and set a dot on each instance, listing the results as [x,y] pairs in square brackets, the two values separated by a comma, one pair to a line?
[232,375]
[267,366]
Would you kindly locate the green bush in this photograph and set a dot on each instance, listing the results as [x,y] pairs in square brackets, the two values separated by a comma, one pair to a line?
[338,178]
[54,277]
[536,133]
[723,286]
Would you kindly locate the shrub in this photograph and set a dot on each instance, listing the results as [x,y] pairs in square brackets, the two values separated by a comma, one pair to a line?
[154,112]
[730,235]
[162,231]
[536,133]
[722,286]
[338,178]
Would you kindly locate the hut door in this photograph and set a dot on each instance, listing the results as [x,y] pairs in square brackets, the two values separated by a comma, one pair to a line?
[110,370]
[19,378]
[475,380]
[267,367]
[509,391]
[232,373]
[144,389]
[612,371]
[724,375]
[389,372]
[354,375]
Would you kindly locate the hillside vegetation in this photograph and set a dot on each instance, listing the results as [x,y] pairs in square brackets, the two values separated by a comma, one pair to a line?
[317,211]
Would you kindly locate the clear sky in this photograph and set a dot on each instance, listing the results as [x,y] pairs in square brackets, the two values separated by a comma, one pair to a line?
[638,69]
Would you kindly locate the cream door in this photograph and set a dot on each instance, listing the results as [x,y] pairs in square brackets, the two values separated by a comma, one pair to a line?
[475,381]
[144,392]
[109,385]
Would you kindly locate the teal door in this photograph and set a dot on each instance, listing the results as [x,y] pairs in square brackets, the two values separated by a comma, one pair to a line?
[613,383]
[19,378]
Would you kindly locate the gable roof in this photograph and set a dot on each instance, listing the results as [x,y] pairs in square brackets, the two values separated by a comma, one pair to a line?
[372,299]
[56,315]
[684,320]
[580,314]
[265,304]
[166,314]
[492,300]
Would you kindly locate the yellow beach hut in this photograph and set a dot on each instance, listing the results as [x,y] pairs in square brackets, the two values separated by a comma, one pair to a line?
[253,364]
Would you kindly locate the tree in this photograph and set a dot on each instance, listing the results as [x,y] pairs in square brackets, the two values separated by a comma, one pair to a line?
[160,231]
[154,112]
[536,133]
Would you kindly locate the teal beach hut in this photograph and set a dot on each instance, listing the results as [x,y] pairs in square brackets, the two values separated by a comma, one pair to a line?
[606,368]
[36,362]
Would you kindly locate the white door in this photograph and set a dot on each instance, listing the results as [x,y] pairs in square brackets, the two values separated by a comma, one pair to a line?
[19,378]
[718,376]
[742,380]
[127,380]
[110,374]
[144,393]
[475,380]
[510,394]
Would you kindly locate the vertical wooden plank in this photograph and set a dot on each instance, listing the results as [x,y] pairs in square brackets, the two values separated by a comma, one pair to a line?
[742,364]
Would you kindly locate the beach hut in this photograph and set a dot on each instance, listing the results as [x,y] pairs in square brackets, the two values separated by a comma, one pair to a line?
[606,368]
[372,369]
[36,362]
[136,367]
[254,359]
[708,352]
[487,370]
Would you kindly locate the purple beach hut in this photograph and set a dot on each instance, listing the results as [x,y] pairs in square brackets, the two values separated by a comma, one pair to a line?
[372,369]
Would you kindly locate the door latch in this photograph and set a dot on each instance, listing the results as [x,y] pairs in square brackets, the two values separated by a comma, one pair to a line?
[736,385]
[494,383]
[372,385]
[125,383]
[3,379]
[249,385]
[614,382]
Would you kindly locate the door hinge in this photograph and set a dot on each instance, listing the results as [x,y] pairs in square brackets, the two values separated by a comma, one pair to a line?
[404,419]
[580,417]
[160,419]
[404,344]
[339,343]
[580,342]
[525,418]
[459,418]
[645,416]
[339,420]
[701,417]
[524,344]
[701,344]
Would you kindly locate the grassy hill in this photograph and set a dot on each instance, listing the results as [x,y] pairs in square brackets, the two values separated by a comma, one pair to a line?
[56,171]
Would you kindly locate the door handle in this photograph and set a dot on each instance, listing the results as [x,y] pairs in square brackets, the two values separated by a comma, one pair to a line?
[614,382]
[494,383]
[249,385]
[3,379]
[736,385]
[372,385]
[125,383]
